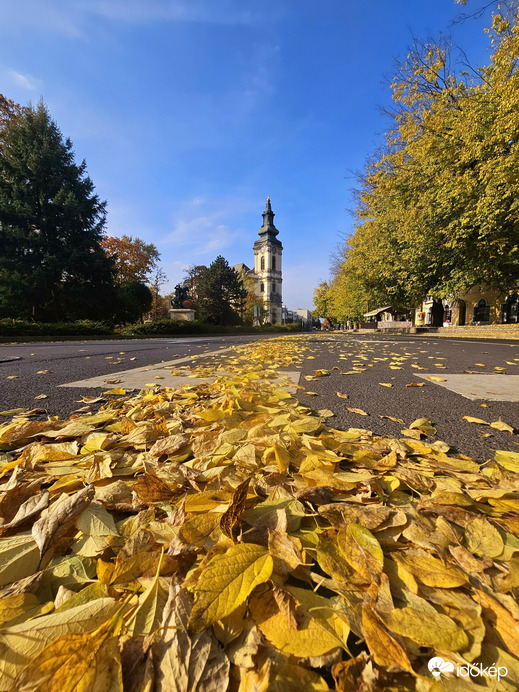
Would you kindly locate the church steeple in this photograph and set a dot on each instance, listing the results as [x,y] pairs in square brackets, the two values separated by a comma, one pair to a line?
[268,221]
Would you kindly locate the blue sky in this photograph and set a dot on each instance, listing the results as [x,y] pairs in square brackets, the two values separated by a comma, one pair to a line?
[190,112]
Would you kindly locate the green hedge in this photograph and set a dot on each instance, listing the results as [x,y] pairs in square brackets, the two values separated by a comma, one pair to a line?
[179,327]
[21,328]
[9,327]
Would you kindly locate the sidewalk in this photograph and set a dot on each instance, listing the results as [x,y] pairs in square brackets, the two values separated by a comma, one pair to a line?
[491,331]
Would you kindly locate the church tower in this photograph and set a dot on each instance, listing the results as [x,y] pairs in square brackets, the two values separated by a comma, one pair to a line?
[267,267]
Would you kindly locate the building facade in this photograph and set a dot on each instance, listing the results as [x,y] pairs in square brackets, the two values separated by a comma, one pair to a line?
[268,269]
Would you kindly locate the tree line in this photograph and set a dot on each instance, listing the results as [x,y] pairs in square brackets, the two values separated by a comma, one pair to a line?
[437,208]
[56,261]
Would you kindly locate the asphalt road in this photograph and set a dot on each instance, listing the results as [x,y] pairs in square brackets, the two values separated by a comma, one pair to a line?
[373,356]
[370,359]
[21,382]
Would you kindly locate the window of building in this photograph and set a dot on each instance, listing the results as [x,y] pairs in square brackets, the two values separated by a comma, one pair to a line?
[273,288]
[274,263]
[481,311]
[262,263]
[262,286]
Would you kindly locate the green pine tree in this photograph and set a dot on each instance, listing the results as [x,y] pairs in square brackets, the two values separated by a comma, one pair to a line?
[221,294]
[52,266]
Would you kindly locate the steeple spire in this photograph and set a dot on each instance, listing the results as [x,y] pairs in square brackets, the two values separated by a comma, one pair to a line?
[268,221]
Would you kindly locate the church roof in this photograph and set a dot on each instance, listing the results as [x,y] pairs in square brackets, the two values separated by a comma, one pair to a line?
[268,227]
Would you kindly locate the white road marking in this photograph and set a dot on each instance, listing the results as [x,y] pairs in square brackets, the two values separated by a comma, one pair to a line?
[137,378]
[491,387]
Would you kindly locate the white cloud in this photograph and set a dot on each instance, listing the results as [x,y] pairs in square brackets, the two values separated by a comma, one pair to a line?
[206,227]
[26,81]
[69,18]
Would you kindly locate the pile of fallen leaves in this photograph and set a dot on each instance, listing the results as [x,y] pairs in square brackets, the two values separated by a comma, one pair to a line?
[221,536]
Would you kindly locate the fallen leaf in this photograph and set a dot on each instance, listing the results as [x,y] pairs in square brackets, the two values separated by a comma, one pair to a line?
[501,425]
[60,518]
[227,581]
[357,410]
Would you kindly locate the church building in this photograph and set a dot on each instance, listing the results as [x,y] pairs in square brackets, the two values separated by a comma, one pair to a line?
[267,267]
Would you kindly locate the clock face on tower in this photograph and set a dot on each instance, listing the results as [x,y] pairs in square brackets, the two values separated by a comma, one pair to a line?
[262,250]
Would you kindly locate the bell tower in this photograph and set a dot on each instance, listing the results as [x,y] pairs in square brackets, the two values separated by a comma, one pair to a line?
[267,267]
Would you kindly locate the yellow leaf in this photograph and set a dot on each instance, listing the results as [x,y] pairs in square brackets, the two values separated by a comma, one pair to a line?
[433,572]
[357,410]
[508,460]
[479,421]
[23,644]
[282,457]
[501,620]
[305,424]
[501,425]
[385,650]
[41,396]
[227,581]
[325,413]
[76,663]
[18,557]
[434,378]
[483,538]
[361,550]
[427,627]
[416,384]
[311,394]
[341,395]
[148,614]
[117,391]
[424,426]
[319,629]
[385,384]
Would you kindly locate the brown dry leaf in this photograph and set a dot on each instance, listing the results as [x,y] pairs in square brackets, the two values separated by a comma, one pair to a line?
[60,518]
[231,516]
[170,445]
[416,384]
[183,661]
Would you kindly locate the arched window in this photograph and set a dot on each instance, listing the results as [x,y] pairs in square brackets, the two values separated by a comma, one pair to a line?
[262,286]
[274,263]
[481,311]
[262,263]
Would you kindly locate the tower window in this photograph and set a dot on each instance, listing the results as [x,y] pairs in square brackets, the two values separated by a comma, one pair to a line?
[273,288]
[262,286]
[262,263]
[273,263]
